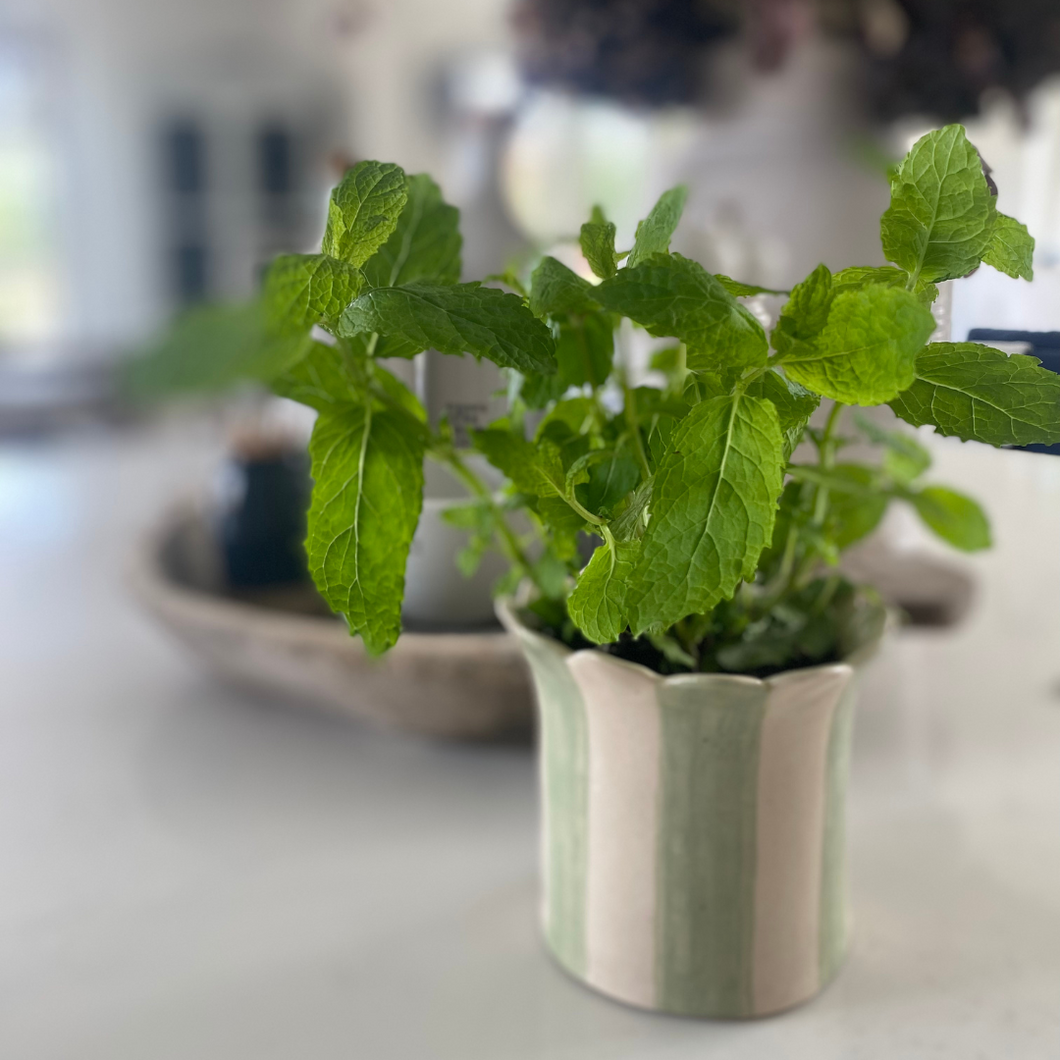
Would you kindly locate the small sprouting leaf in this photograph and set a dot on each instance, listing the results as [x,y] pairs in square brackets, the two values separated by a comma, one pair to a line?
[654,232]
[306,289]
[672,296]
[597,603]
[979,394]
[1011,248]
[597,241]
[713,503]
[957,519]
[456,318]
[941,217]
[629,524]
[364,211]
[556,289]
[866,352]
[805,313]
[479,520]
[424,247]
[368,474]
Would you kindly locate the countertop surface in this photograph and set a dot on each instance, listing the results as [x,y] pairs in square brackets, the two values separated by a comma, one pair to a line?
[188,873]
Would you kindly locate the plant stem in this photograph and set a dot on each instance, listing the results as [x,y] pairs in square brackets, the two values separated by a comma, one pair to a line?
[632,422]
[509,542]
[584,512]
[826,461]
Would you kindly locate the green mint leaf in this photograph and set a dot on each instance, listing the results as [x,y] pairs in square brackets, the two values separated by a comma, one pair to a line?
[855,278]
[654,232]
[794,404]
[536,391]
[713,503]
[744,290]
[904,458]
[532,470]
[559,446]
[555,289]
[585,349]
[368,475]
[669,360]
[398,393]
[457,318]
[325,379]
[597,241]
[1011,248]
[424,247]
[854,515]
[572,417]
[321,379]
[364,210]
[866,353]
[979,394]
[610,478]
[941,217]
[672,296]
[306,289]
[597,603]
[211,347]
[957,519]
[561,519]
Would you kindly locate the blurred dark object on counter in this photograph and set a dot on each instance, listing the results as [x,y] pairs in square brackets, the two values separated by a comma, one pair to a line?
[261,518]
[1045,345]
[929,58]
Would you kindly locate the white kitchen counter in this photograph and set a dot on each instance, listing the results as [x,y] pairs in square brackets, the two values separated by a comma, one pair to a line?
[187,873]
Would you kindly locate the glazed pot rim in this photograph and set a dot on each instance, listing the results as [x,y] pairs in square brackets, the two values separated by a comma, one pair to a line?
[509,612]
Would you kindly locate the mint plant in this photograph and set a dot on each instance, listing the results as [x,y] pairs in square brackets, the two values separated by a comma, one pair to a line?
[716,543]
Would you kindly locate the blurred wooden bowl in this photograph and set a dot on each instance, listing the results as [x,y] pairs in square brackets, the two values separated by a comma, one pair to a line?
[285,643]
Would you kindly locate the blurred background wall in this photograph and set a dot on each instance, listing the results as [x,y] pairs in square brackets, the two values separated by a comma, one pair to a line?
[156,153]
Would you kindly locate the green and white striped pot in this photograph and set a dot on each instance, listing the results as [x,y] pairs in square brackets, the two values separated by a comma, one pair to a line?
[693,828]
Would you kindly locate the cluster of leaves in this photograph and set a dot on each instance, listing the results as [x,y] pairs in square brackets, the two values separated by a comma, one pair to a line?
[712,549]
[701,538]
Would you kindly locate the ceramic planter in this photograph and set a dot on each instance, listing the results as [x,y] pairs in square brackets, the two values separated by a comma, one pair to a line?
[693,828]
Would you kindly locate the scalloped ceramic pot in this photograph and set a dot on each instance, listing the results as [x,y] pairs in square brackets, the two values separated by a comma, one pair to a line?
[693,828]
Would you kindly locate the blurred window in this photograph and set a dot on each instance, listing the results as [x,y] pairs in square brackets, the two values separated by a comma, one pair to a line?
[30,299]
[185,178]
[274,161]
[186,150]
[192,273]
